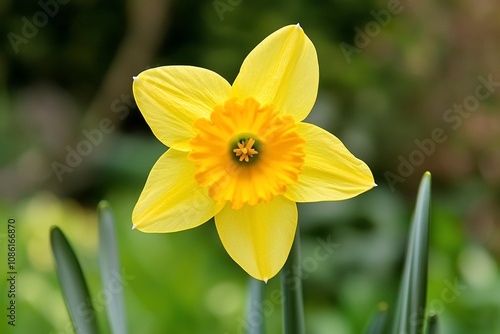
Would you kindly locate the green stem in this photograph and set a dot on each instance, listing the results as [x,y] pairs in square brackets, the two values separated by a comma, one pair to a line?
[255,316]
[291,289]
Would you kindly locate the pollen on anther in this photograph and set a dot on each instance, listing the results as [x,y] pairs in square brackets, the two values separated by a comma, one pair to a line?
[245,150]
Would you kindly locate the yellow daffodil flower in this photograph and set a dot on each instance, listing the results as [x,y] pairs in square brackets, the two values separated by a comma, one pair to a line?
[240,152]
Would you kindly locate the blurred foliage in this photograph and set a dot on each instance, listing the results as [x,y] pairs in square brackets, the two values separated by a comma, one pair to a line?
[76,71]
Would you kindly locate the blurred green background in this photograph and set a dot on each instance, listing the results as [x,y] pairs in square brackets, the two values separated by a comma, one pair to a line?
[404,84]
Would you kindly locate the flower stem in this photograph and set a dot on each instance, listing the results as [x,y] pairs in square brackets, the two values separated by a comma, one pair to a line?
[255,316]
[291,289]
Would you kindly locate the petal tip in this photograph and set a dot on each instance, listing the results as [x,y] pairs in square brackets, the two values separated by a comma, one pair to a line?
[134,226]
[134,77]
[265,280]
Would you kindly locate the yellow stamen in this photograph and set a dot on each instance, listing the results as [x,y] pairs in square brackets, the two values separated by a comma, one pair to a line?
[245,150]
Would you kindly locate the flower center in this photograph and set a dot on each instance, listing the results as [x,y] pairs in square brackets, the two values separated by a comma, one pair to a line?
[246,153]
[245,149]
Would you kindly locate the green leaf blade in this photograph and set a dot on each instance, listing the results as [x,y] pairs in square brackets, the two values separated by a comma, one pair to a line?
[420,259]
[110,270]
[432,322]
[73,284]
[410,313]
[377,325]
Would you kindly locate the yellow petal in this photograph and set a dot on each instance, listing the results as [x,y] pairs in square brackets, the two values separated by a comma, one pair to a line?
[171,98]
[171,199]
[330,172]
[282,70]
[259,237]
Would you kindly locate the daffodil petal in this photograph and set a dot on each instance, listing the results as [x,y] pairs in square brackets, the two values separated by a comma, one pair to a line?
[171,199]
[171,98]
[282,70]
[330,172]
[259,238]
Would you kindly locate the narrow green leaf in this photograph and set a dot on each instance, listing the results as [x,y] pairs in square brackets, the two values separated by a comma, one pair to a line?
[109,264]
[402,309]
[377,326]
[410,315]
[73,285]
[291,289]
[432,322]
[255,316]
[419,264]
